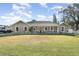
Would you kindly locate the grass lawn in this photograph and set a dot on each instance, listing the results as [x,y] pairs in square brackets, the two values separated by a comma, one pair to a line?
[39,45]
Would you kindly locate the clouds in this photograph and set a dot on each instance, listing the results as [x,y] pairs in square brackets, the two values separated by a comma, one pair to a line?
[47,18]
[8,20]
[25,4]
[18,12]
[26,12]
[21,6]
[55,10]
[44,18]
[50,18]
[41,17]
[43,5]
[56,7]
[22,10]
[17,7]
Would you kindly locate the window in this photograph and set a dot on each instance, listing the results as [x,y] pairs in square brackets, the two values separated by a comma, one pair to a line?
[33,28]
[25,28]
[62,28]
[51,28]
[45,28]
[17,29]
[3,27]
[55,29]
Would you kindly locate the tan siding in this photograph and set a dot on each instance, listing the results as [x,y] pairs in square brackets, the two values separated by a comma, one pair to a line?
[20,26]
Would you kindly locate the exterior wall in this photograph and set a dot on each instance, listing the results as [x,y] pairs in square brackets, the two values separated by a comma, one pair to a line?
[40,28]
[20,26]
[62,29]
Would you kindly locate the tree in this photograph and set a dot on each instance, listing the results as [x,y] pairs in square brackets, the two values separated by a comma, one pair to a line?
[71,15]
[76,5]
[31,29]
[54,19]
[33,20]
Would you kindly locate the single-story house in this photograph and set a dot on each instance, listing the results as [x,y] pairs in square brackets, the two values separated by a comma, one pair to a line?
[38,27]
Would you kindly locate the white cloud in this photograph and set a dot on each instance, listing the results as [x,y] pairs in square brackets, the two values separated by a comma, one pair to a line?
[21,10]
[30,12]
[18,13]
[8,20]
[25,4]
[21,13]
[26,14]
[44,18]
[17,7]
[50,18]
[47,18]
[11,14]
[44,5]
[41,16]
[57,8]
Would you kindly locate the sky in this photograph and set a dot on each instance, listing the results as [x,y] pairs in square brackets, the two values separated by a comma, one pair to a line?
[13,12]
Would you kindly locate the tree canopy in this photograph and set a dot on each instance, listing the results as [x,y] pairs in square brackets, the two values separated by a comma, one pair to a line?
[54,19]
[71,15]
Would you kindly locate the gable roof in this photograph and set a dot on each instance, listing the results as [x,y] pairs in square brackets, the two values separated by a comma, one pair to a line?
[63,24]
[34,23]
[18,22]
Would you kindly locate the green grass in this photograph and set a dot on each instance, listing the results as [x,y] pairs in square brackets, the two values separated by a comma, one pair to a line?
[39,45]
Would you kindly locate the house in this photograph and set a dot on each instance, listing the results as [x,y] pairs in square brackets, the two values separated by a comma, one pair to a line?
[38,27]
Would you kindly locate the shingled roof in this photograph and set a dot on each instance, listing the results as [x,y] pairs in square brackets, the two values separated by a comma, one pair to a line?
[40,22]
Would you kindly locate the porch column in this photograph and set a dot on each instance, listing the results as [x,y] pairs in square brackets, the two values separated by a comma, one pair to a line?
[57,29]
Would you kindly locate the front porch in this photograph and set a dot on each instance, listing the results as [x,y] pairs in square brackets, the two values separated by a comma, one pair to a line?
[45,29]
